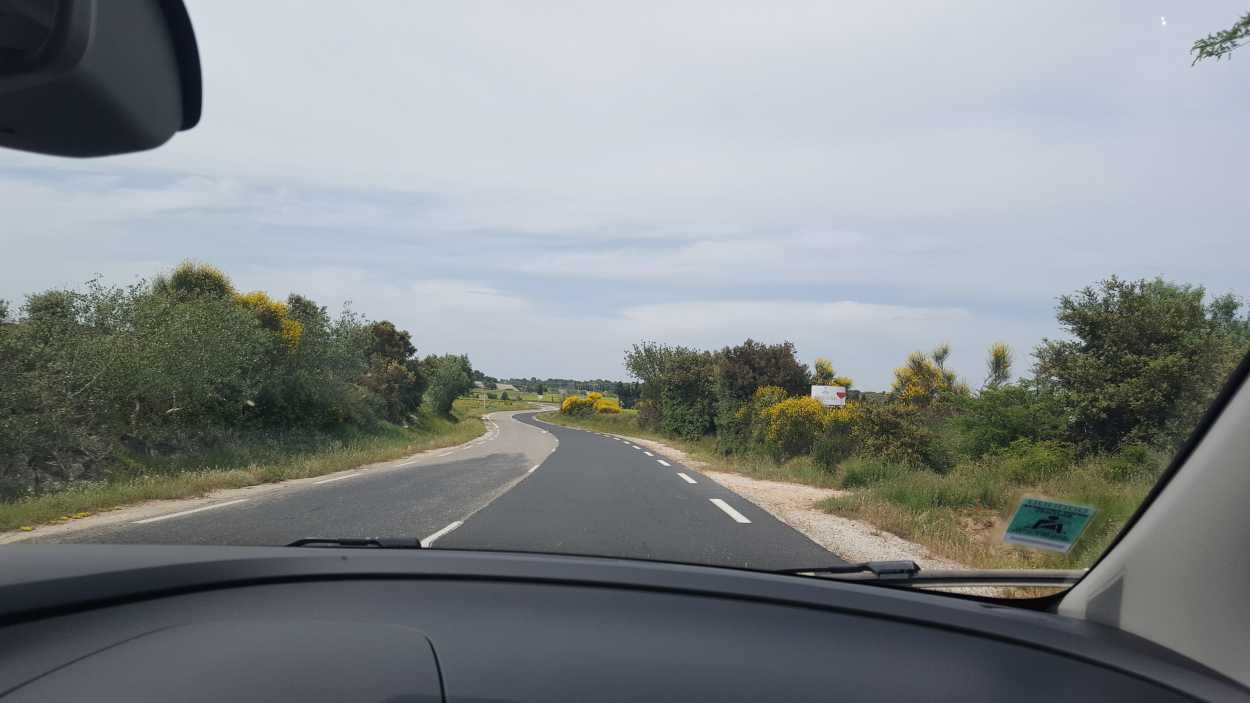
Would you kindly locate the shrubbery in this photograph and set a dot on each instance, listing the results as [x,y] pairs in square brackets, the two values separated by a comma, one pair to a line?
[186,363]
[793,425]
[1143,361]
[590,404]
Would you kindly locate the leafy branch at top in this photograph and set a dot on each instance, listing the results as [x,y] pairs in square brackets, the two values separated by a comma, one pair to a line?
[1220,44]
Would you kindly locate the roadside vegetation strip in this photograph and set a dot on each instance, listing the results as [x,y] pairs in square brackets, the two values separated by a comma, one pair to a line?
[242,466]
[957,516]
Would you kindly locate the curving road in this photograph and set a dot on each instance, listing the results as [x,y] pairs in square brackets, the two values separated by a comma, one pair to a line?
[524,486]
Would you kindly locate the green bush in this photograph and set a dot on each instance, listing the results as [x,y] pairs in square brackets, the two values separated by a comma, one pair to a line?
[899,432]
[833,447]
[648,415]
[503,395]
[860,471]
[1027,462]
[920,491]
[1000,416]
[1134,462]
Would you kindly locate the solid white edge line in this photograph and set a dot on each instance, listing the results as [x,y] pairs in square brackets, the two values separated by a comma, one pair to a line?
[648,453]
[686,478]
[336,478]
[441,533]
[189,512]
[663,463]
[737,516]
[533,468]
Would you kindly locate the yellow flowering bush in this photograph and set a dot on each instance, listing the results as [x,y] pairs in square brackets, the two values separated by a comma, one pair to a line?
[577,405]
[273,316]
[591,403]
[793,425]
[607,406]
[292,331]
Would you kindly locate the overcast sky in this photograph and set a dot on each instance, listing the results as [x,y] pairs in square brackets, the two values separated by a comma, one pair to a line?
[541,184]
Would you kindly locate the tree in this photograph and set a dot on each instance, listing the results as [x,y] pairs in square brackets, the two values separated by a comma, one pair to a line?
[687,406]
[194,280]
[391,343]
[997,365]
[450,377]
[627,393]
[742,369]
[1145,360]
[1221,44]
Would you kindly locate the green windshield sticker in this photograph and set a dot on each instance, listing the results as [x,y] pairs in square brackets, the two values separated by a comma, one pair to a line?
[1045,524]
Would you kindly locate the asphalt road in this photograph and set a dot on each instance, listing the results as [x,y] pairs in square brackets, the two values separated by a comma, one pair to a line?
[524,486]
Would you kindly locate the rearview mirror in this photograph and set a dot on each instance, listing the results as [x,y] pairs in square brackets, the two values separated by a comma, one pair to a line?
[96,77]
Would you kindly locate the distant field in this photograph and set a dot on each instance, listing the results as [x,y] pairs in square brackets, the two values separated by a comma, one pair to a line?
[481,404]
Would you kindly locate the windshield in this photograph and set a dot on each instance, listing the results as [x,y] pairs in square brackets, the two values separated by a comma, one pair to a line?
[759,286]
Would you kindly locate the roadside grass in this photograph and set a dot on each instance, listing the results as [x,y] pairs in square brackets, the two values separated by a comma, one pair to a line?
[959,515]
[236,466]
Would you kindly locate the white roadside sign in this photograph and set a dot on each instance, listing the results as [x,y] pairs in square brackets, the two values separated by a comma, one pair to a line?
[830,396]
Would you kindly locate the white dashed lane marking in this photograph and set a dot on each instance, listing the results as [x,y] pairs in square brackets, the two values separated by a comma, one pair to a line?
[687,479]
[737,516]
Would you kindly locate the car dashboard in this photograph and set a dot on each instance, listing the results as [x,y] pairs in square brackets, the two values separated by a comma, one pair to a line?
[243,624]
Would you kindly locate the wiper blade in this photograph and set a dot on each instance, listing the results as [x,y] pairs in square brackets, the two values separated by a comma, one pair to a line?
[909,573]
[374,542]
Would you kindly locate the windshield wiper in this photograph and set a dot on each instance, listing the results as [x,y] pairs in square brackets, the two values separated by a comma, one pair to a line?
[373,542]
[909,573]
